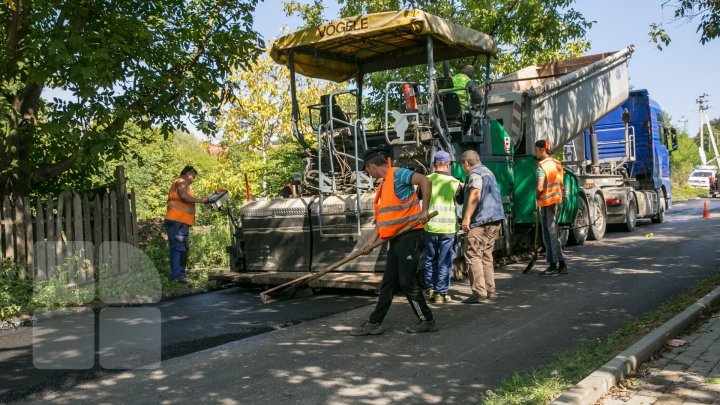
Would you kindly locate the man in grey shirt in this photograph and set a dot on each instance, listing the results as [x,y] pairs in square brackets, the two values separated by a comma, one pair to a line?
[483,215]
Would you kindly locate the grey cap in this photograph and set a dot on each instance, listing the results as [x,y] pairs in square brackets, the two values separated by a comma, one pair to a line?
[468,70]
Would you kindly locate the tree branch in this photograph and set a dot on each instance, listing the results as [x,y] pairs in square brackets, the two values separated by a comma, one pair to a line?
[50,171]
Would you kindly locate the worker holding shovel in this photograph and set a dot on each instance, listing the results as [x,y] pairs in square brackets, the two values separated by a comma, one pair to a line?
[397,206]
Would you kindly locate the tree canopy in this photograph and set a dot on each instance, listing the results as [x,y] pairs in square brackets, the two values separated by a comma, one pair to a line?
[256,125]
[152,62]
[707,12]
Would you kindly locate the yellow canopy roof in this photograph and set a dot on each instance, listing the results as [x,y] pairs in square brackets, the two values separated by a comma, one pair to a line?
[368,43]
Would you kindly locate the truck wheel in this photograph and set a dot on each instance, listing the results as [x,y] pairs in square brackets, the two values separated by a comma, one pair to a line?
[597,229]
[657,219]
[580,228]
[630,216]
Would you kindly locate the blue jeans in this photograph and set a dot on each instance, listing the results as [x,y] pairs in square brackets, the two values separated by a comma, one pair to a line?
[439,255]
[551,233]
[178,236]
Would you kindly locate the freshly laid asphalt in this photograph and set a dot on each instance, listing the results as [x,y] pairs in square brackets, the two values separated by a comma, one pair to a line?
[189,324]
[610,283]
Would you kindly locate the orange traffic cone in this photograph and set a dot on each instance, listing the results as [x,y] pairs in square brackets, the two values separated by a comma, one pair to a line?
[706,211]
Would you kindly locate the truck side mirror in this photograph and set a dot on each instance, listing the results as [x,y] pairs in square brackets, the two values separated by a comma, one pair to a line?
[626,115]
[673,139]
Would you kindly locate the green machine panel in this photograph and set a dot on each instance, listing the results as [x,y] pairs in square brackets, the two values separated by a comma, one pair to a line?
[525,182]
[503,172]
[568,211]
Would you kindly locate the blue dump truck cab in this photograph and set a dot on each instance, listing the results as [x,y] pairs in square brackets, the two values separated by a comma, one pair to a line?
[646,158]
[623,162]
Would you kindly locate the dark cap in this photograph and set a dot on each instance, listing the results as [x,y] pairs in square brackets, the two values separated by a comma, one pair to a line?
[370,154]
[188,169]
[543,144]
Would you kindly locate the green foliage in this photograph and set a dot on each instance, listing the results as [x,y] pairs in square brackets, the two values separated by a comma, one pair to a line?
[311,13]
[207,254]
[684,191]
[139,283]
[56,292]
[706,11]
[15,294]
[155,163]
[207,250]
[684,158]
[152,62]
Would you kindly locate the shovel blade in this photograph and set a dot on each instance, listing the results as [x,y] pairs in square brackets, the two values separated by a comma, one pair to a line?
[529,265]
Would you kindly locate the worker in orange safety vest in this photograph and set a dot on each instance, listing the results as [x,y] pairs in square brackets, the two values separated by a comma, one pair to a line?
[397,205]
[179,218]
[549,194]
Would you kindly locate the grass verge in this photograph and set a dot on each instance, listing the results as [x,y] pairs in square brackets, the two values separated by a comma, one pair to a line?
[542,385]
[686,192]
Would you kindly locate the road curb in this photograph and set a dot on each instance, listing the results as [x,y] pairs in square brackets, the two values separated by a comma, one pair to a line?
[597,384]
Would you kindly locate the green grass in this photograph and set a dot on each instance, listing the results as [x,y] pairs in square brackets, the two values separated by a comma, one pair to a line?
[686,192]
[542,385]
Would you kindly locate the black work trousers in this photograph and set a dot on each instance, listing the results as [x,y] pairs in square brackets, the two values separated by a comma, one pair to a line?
[403,259]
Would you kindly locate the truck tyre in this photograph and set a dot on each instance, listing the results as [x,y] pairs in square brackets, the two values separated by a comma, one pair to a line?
[660,217]
[580,228]
[599,212]
[631,213]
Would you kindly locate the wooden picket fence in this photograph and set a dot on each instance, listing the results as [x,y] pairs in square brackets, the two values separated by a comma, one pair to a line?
[70,230]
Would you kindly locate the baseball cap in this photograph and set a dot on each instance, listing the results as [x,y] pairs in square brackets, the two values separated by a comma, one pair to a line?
[369,154]
[543,144]
[441,157]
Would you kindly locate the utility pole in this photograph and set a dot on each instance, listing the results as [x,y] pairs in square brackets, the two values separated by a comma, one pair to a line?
[683,121]
[702,112]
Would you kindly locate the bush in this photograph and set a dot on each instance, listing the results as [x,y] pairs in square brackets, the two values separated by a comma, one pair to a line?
[15,295]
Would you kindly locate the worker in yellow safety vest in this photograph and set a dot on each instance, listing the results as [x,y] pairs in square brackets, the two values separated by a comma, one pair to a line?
[463,85]
[549,194]
[440,231]
[179,218]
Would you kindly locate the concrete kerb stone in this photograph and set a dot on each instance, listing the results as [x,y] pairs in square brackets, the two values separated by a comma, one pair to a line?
[597,384]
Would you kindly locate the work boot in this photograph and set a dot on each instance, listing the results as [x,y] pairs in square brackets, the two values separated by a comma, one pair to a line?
[551,271]
[367,328]
[473,299]
[422,327]
[562,267]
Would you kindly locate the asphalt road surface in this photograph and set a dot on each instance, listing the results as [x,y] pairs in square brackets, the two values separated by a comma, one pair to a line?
[611,282]
[189,324]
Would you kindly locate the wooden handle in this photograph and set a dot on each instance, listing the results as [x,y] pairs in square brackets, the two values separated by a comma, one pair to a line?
[312,276]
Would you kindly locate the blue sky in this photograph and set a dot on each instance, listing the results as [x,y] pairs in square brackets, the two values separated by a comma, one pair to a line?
[675,76]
